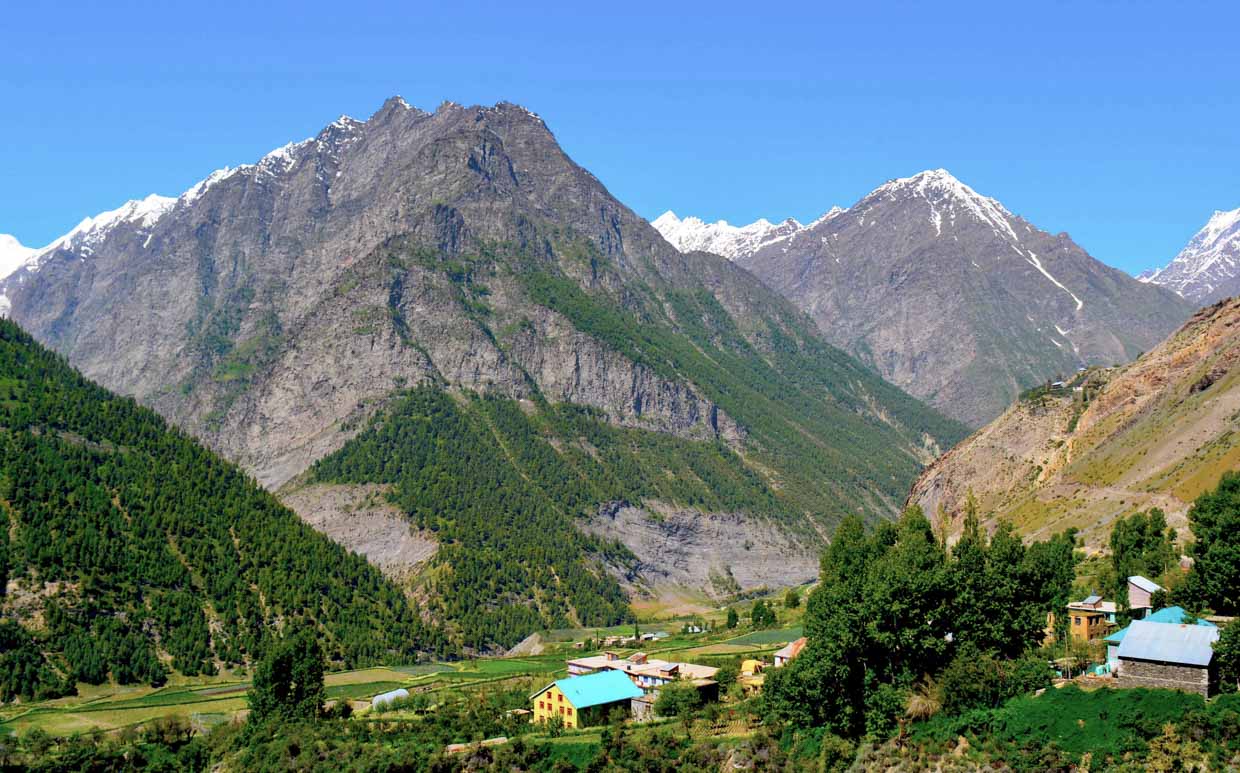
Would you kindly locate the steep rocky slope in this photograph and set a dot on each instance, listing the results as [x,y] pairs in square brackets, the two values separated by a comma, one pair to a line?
[273,309]
[1154,433]
[958,301]
[1208,268]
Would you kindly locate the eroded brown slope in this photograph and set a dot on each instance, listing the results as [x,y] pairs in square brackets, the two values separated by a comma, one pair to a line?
[1154,433]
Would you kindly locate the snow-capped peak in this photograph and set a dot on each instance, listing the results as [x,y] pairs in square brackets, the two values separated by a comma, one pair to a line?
[948,196]
[142,213]
[1209,264]
[13,254]
[721,237]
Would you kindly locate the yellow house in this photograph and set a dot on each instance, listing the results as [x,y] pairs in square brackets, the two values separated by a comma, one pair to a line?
[581,701]
[1090,619]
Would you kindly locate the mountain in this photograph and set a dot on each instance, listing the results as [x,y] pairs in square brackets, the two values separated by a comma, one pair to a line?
[955,299]
[126,548]
[1208,268]
[1154,433]
[13,255]
[456,268]
[721,238]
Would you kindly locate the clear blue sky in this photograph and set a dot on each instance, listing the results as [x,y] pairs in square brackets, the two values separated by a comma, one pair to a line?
[1117,122]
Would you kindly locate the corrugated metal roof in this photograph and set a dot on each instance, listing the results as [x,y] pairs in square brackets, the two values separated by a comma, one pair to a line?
[1092,600]
[1184,644]
[1173,615]
[596,689]
[1144,583]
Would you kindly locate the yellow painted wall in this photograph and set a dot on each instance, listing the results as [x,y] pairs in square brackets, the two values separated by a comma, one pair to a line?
[1086,626]
[552,703]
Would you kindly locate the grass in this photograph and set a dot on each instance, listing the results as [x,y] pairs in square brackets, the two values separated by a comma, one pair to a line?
[768,637]
[211,700]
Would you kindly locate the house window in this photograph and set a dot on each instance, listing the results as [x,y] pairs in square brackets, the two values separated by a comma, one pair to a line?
[560,698]
[1077,620]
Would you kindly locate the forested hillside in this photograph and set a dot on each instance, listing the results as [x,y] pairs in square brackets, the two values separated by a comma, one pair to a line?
[127,550]
[504,487]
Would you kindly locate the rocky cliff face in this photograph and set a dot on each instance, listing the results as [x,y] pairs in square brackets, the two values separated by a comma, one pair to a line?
[273,308]
[958,301]
[1154,433]
[1208,268]
[256,309]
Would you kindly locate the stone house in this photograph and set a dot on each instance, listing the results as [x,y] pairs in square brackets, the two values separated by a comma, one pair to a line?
[1176,657]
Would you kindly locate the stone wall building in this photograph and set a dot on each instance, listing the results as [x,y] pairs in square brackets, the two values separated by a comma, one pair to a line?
[1161,655]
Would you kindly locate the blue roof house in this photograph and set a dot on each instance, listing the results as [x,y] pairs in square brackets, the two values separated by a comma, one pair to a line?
[1171,615]
[581,701]
[1169,656]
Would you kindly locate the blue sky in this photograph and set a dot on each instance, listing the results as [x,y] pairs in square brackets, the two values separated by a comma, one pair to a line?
[1116,122]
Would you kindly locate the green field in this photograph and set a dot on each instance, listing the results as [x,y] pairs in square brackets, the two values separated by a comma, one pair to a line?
[776,636]
[206,701]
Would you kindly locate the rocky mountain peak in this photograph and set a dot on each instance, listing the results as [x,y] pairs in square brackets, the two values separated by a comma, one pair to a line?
[949,199]
[1208,268]
[721,237]
[952,297]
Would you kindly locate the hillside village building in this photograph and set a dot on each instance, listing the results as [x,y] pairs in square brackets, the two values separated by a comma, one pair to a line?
[647,673]
[1169,615]
[582,701]
[1090,619]
[1141,592]
[1163,655]
[789,653]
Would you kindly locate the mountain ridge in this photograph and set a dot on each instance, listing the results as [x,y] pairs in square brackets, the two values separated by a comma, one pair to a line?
[950,296]
[280,311]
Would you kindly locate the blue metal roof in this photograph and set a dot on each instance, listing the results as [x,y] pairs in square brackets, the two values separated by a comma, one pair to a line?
[1173,615]
[1092,599]
[1144,583]
[598,688]
[1190,645]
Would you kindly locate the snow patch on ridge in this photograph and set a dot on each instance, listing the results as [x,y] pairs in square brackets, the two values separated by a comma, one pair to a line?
[721,237]
[1033,261]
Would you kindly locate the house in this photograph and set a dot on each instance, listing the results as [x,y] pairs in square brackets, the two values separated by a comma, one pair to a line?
[1090,619]
[647,673]
[1175,657]
[582,701]
[786,655]
[388,697]
[1167,615]
[1141,592]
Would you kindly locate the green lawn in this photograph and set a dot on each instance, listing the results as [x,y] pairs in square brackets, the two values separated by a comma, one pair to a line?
[768,637]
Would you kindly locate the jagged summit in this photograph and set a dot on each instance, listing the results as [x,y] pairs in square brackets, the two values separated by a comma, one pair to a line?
[721,237]
[1208,268]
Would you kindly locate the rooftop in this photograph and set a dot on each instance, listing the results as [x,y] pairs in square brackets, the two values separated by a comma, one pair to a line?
[1190,645]
[1144,583]
[596,689]
[1172,615]
[792,649]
